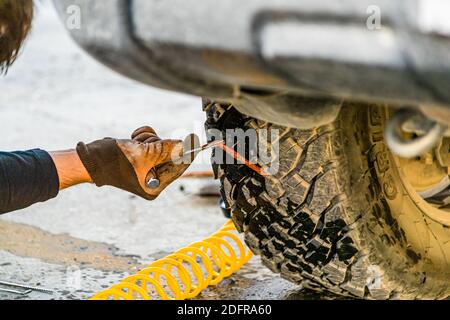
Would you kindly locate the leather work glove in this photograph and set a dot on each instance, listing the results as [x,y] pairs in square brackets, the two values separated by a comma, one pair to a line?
[128,164]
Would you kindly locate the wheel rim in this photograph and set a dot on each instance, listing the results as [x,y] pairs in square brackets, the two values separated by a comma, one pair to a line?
[424,226]
[420,175]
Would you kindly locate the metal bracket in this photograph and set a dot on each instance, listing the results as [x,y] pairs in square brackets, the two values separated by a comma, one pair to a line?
[409,148]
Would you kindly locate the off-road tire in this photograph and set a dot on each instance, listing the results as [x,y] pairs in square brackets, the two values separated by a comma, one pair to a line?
[336,216]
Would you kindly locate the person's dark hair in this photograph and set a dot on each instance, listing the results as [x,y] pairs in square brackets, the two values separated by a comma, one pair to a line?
[15,23]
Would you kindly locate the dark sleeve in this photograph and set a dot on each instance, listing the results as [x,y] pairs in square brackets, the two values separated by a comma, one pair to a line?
[26,177]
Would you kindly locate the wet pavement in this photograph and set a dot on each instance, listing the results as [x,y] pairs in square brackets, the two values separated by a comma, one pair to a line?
[89,238]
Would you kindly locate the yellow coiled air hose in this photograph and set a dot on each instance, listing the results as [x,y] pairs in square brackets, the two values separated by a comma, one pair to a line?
[185,273]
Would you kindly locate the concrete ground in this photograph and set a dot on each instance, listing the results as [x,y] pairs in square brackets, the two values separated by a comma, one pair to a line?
[89,238]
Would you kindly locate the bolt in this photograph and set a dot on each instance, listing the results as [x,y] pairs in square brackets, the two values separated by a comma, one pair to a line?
[153,183]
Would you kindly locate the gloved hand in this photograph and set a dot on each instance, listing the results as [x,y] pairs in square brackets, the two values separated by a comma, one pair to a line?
[128,164]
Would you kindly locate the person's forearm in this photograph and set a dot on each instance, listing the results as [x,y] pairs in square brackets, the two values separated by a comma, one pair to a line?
[26,177]
[70,168]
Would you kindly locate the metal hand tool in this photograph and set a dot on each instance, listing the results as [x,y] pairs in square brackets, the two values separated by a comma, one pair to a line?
[15,291]
[40,289]
[154,183]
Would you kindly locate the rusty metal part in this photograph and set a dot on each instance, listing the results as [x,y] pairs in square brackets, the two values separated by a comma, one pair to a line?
[242,159]
[198,174]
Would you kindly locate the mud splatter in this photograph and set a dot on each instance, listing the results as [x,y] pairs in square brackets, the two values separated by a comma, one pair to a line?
[27,241]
